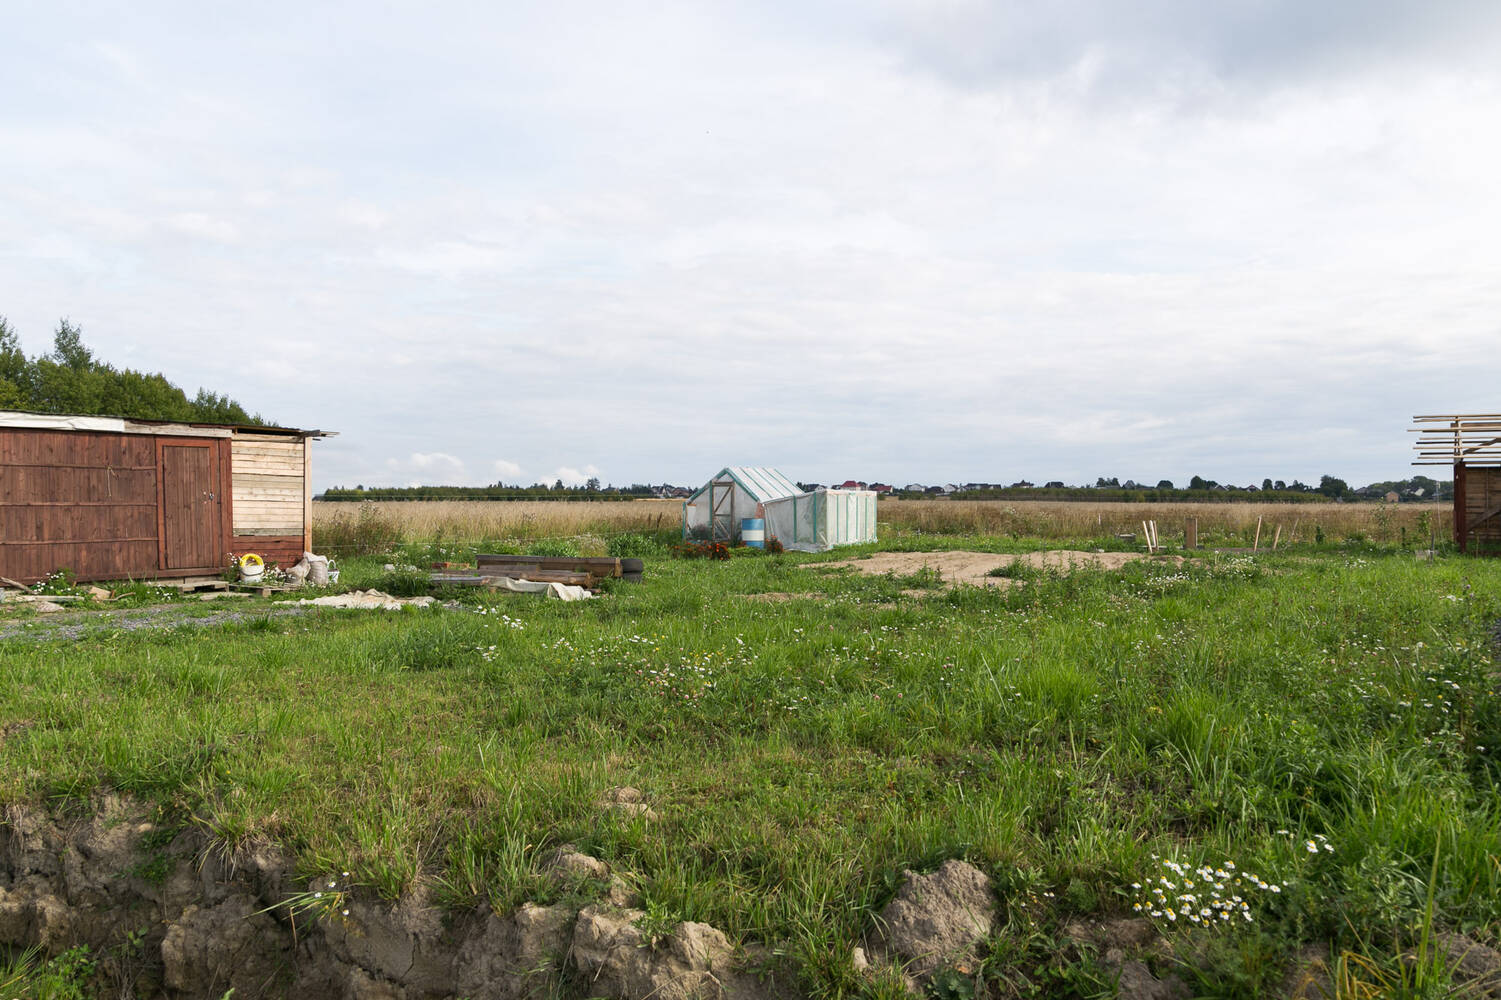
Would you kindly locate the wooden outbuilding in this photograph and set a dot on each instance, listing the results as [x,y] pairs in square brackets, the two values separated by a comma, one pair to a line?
[110,498]
[1472,444]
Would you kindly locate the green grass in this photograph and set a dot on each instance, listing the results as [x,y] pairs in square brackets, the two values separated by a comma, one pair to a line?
[802,754]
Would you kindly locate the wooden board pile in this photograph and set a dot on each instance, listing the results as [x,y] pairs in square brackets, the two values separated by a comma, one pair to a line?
[574,571]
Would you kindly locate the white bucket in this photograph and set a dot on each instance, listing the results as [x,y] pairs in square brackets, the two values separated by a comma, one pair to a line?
[251,568]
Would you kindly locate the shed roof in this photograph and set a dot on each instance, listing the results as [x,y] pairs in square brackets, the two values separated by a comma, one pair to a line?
[760,481]
[131,425]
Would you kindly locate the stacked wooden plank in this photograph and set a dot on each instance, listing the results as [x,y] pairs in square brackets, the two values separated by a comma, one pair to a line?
[575,571]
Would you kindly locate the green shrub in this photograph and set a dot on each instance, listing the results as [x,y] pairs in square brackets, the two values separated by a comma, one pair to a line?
[553,547]
[637,545]
[361,532]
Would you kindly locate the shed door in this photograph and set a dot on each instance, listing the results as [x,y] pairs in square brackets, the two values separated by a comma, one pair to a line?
[189,506]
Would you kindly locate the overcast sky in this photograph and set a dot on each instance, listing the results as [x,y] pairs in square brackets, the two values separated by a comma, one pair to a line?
[902,241]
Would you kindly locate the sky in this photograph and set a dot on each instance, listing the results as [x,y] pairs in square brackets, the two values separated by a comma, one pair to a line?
[898,241]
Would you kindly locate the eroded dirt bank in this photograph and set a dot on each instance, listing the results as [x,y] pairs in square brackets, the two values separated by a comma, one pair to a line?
[168,915]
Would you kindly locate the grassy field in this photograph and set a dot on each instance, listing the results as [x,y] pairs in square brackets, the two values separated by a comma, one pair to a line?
[348,528]
[1325,717]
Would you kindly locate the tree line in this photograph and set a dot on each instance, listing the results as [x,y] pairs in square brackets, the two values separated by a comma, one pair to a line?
[591,490]
[70,379]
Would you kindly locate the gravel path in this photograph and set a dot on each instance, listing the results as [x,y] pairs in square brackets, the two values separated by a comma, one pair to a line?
[75,624]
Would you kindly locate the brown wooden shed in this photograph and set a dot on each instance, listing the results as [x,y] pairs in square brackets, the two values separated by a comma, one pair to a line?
[1472,443]
[110,498]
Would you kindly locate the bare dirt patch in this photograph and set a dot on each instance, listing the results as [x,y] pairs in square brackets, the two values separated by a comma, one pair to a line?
[973,568]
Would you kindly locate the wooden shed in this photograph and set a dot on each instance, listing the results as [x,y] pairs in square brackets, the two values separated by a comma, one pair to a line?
[1472,444]
[110,498]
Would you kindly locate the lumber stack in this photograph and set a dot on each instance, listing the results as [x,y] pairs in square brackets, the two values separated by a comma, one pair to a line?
[575,571]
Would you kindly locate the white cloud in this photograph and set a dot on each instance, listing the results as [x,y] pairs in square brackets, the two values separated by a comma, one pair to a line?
[204,226]
[505,470]
[574,477]
[427,469]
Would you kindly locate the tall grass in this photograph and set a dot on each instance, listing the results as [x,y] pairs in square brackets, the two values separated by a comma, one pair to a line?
[374,526]
[1227,523]
[348,528]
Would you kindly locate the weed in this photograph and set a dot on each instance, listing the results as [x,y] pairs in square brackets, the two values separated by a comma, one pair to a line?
[66,976]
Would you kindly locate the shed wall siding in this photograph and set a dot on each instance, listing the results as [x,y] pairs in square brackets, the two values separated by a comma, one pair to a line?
[81,501]
[269,487]
[1481,500]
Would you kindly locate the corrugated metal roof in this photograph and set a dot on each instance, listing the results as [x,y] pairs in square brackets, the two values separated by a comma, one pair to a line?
[30,419]
[761,482]
[764,482]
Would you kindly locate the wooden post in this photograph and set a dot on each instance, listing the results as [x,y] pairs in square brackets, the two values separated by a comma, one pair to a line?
[1191,533]
[1276,538]
[1256,544]
[1146,535]
[1459,506]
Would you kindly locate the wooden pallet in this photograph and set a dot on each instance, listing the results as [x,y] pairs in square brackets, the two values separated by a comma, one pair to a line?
[193,584]
[488,577]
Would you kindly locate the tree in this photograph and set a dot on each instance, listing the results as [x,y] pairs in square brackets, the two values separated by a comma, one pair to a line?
[1333,488]
[1198,483]
[1266,485]
[13,369]
[592,485]
[68,349]
[71,379]
[1164,484]
[1279,485]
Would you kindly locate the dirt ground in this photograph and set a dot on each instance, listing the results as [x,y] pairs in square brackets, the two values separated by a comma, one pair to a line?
[972,567]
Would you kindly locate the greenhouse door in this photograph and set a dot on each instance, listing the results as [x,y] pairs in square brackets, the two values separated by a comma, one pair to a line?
[722,512]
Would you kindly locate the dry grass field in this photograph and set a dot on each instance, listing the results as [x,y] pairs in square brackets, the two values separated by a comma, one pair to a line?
[342,528]
[1218,523]
[346,527]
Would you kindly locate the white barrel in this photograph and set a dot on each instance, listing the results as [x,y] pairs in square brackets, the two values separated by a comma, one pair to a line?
[753,532]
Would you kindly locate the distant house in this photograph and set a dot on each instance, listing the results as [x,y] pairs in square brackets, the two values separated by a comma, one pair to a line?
[879,488]
[1021,485]
[914,488]
[1056,484]
[934,490]
[1393,497]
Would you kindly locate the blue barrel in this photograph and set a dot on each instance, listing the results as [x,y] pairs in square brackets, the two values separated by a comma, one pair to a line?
[753,532]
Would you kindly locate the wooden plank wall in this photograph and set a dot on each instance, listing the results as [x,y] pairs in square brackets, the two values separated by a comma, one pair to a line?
[270,496]
[1480,502]
[84,501]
